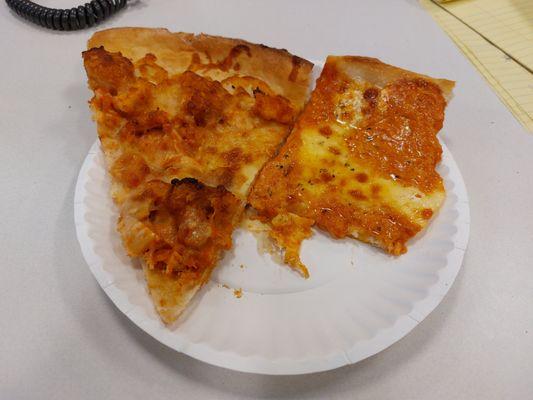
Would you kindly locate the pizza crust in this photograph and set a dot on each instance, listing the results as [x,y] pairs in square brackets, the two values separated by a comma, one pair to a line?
[287,75]
[171,293]
[375,72]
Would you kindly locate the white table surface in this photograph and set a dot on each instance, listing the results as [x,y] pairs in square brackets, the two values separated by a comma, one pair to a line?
[61,338]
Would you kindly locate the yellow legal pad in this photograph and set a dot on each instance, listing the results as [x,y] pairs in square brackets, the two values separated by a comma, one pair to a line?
[497,37]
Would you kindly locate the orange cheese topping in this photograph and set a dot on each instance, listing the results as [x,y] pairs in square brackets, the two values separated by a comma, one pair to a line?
[360,161]
[162,135]
[189,224]
[392,129]
[186,125]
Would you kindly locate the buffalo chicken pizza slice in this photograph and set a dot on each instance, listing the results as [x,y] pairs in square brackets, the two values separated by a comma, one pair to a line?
[360,161]
[185,125]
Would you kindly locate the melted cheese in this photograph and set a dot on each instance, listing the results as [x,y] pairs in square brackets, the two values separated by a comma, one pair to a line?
[156,125]
[360,161]
[353,180]
[182,151]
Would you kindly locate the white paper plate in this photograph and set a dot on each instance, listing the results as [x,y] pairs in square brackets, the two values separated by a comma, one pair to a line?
[357,302]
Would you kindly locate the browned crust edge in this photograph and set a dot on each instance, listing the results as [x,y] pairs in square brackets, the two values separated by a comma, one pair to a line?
[284,71]
[380,73]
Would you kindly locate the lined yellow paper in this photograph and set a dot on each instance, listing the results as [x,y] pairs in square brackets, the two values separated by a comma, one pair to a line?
[497,37]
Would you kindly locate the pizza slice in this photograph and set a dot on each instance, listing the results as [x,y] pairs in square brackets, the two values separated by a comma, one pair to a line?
[185,125]
[360,161]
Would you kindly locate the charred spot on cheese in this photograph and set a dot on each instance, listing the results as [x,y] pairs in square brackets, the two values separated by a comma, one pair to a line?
[187,180]
[361,177]
[326,176]
[371,94]
[326,131]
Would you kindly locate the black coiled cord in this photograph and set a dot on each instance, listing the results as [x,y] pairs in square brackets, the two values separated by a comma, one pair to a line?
[67,20]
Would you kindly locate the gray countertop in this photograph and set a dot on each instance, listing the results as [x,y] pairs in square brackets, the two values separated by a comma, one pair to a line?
[61,338]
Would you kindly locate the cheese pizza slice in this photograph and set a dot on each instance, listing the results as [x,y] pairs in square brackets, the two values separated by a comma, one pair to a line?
[185,123]
[360,161]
